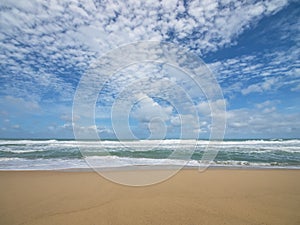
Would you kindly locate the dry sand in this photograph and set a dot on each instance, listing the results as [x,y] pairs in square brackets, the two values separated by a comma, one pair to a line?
[190,198]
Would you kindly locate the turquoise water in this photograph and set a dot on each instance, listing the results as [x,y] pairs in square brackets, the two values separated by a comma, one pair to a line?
[61,154]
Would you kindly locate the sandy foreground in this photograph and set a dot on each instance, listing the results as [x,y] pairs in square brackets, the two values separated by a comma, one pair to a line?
[189,198]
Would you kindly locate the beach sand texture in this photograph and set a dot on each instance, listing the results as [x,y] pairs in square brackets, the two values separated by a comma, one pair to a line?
[216,196]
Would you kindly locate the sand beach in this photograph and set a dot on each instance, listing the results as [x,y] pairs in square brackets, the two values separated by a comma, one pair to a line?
[216,196]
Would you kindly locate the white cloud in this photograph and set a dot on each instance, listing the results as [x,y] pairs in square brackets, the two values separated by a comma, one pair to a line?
[263,72]
[47,46]
[212,108]
[297,88]
[147,109]
[20,105]
[265,104]
[16,126]
[42,40]
[261,87]
[253,123]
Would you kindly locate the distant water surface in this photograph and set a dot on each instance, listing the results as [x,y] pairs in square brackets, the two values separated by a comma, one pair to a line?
[66,154]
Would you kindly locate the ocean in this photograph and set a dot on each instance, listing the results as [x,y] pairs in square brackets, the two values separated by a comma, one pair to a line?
[67,154]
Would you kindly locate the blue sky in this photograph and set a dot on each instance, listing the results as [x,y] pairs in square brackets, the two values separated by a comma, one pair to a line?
[251,47]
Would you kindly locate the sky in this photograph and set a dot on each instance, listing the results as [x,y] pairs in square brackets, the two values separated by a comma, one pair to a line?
[250,47]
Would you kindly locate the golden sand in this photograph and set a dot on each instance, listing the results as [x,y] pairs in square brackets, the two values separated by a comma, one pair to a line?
[214,197]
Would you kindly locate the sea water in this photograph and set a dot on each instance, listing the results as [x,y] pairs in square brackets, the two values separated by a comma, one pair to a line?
[74,154]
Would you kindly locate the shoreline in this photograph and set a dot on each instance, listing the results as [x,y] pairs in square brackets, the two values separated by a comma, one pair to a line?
[155,167]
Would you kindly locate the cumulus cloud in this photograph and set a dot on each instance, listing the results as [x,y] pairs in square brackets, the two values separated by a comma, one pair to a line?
[262,123]
[49,44]
[147,109]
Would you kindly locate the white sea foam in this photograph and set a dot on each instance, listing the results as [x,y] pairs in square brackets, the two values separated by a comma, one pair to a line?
[28,154]
[116,162]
